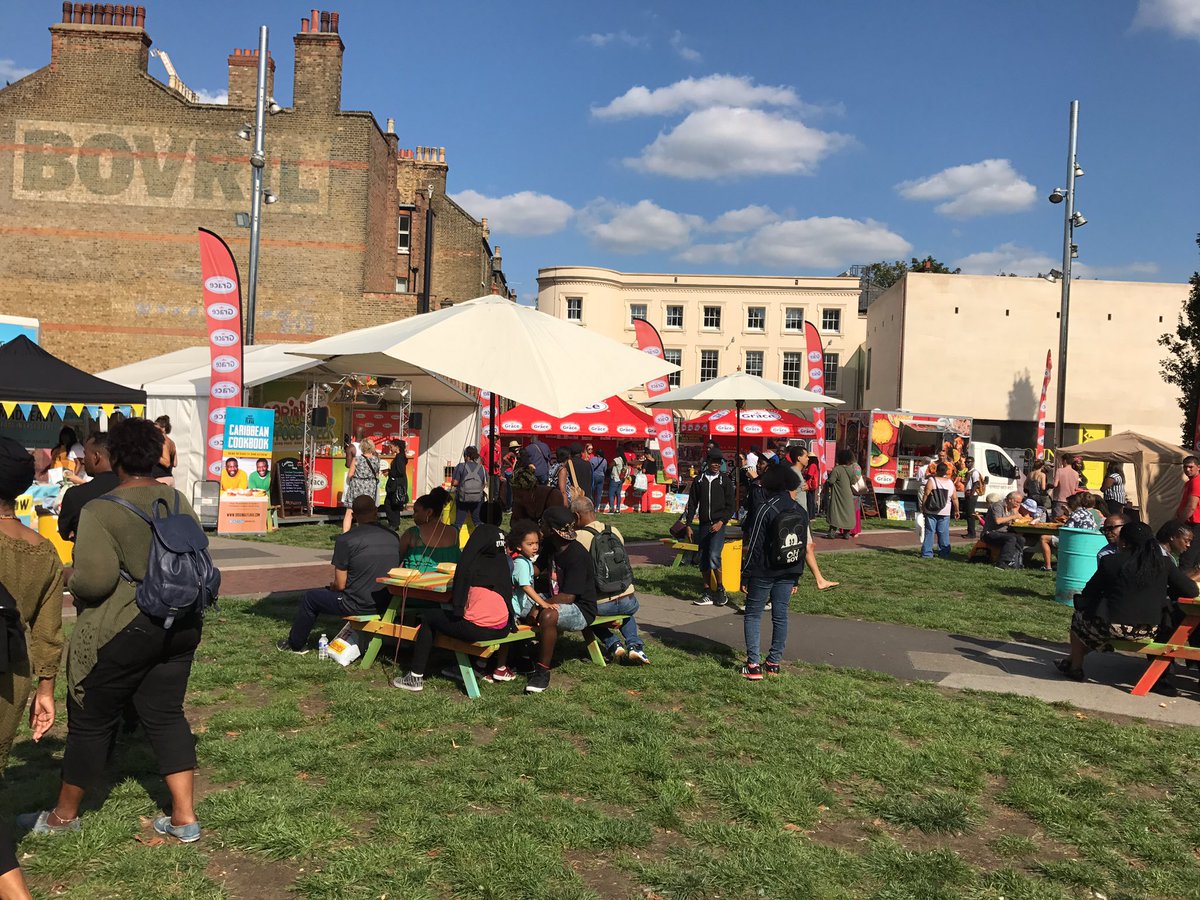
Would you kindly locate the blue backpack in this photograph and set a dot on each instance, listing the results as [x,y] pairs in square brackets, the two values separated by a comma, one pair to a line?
[180,575]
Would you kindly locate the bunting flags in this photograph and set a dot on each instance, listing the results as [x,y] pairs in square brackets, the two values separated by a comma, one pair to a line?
[1041,416]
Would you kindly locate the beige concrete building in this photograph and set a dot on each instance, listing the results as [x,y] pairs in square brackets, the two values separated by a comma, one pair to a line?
[716,324]
[976,345]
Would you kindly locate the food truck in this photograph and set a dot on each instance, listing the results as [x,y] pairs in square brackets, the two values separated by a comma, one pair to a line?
[894,445]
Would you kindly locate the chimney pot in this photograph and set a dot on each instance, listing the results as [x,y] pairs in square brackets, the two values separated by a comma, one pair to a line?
[324,21]
[304,25]
[77,13]
[87,14]
[441,154]
[391,126]
[141,17]
[109,15]
[129,15]
[315,25]
[66,11]
[333,22]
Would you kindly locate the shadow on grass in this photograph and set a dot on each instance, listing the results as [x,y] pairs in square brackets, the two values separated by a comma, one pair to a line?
[693,644]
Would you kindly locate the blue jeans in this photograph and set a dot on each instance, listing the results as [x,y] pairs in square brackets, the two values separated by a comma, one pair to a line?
[317,602]
[614,495]
[622,606]
[598,490]
[710,544]
[940,525]
[465,509]
[758,591]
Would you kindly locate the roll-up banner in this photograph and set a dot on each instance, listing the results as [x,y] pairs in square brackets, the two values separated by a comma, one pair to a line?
[1041,419]
[649,341]
[223,310]
[815,357]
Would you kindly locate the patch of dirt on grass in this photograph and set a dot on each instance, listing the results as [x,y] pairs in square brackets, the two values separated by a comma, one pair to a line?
[315,708]
[247,877]
[601,876]
[482,735]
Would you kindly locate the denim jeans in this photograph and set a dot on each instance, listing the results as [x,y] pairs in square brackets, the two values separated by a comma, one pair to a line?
[598,485]
[939,525]
[622,606]
[614,495]
[317,602]
[467,509]
[758,591]
[709,545]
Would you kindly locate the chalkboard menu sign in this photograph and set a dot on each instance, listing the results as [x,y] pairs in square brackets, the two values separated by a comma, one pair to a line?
[292,485]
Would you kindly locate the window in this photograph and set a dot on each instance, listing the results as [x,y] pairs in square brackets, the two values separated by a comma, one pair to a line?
[709,360]
[831,320]
[830,430]
[674,316]
[831,372]
[756,318]
[867,386]
[675,357]
[403,232]
[793,318]
[754,362]
[712,317]
[636,311]
[999,465]
[574,309]
[401,285]
[793,369]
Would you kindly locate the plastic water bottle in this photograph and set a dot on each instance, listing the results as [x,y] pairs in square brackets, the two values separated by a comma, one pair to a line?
[323,647]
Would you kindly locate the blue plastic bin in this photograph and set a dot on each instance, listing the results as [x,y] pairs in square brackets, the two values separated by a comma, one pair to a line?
[1077,549]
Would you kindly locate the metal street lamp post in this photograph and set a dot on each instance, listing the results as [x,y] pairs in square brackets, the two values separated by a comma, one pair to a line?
[258,160]
[1071,219]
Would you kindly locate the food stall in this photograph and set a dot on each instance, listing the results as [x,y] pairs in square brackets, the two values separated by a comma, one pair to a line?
[898,444]
[759,427]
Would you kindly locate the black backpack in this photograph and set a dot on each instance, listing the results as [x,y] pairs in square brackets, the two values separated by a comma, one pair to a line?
[396,489]
[13,650]
[614,574]
[180,575]
[787,538]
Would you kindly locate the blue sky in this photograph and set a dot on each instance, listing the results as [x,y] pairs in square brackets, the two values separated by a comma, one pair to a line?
[767,138]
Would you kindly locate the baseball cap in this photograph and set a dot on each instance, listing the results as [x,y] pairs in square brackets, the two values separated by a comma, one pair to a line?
[558,517]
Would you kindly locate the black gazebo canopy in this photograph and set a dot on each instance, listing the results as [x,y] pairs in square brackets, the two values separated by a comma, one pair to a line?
[29,374]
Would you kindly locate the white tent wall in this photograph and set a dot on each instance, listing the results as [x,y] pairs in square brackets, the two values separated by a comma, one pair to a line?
[189,432]
[445,432]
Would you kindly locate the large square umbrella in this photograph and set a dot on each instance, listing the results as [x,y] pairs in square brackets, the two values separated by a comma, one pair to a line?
[493,343]
[742,391]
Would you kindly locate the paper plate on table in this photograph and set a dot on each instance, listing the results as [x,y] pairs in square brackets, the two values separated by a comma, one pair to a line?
[447,568]
[401,572]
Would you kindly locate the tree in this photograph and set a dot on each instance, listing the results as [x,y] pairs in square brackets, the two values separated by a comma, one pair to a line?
[1182,367]
[884,274]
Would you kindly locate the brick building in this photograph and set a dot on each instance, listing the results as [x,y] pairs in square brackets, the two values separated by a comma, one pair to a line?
[106,173]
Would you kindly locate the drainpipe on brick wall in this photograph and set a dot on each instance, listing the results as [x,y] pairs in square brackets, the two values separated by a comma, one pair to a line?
[428,252]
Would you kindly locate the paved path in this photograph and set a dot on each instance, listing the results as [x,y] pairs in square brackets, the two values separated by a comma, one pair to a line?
[948,660]
[250,568]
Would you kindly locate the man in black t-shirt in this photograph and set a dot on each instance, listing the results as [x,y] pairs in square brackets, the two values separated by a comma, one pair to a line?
[97,464]
[362,555]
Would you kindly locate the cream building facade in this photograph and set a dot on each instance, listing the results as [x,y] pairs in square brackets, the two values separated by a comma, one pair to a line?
[976,345]
[717,324]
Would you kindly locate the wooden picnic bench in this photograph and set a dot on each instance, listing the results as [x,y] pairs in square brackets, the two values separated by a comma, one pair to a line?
[685,551]
[428,590]
[1163,652]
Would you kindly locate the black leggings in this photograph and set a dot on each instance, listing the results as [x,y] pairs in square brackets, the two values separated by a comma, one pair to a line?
[145,665]
[8,853]
[438,621]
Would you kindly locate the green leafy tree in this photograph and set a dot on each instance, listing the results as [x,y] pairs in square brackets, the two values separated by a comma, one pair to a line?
[884,274]
[1182,366]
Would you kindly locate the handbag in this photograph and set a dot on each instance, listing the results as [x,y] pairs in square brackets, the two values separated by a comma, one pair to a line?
[679,530]
[639,482]
[859,486]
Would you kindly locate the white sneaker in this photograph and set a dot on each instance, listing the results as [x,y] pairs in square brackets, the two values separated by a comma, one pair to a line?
[705,600]
[410,682]
[638,657]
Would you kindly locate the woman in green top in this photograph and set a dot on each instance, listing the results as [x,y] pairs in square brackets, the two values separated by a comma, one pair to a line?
[430,541]
[117,654]
[841,495]
[31,575]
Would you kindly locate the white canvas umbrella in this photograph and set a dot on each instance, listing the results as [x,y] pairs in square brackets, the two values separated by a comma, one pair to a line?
[494,344]
[741,391]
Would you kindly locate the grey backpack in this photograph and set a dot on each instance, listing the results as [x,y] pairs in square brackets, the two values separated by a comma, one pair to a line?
[180,575]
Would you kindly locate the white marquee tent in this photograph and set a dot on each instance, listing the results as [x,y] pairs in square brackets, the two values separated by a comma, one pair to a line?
[176,385]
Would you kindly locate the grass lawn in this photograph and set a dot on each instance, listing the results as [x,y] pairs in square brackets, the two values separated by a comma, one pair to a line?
[898,586]
[675,780]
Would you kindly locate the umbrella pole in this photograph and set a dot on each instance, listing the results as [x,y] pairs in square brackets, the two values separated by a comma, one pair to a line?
[493,481]
[737,452]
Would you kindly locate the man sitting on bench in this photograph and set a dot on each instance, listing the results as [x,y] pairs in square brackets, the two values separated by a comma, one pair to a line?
[996,533]
[612,598]
[361,556]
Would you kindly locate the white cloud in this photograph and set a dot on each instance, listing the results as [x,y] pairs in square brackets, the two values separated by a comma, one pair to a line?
[601,40]
[1180,17]
[831,242]
[728,142]
[203,96]
[699,93]
[748,218]
[1010,258]
[990,186]
[522,213]
[10,71]
[640,228]
[703,254]
[679,45]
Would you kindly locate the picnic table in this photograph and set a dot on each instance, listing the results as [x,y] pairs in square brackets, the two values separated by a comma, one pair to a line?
[1174,647]
[1035,528]
[423,590]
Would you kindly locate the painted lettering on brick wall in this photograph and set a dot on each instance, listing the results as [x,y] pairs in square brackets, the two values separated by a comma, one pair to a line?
[155,166]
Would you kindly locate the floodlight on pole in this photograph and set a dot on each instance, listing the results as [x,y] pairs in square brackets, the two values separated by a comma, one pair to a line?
[1071,220]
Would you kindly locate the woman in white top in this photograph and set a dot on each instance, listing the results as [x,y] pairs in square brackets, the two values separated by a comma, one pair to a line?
[937,520]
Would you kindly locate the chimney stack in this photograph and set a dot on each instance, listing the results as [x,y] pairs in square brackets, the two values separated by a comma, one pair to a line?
[317,88]
[112,36]
[243,77]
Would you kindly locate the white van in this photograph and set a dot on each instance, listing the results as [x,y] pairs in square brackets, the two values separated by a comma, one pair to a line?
[993,462]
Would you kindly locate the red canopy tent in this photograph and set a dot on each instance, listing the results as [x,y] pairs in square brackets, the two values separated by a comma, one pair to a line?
[609,420]
[756,425]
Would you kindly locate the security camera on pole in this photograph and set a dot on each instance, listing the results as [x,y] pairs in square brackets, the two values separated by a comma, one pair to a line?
[1072,219]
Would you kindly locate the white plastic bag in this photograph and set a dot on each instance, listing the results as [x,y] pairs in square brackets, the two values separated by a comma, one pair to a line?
[344,648]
